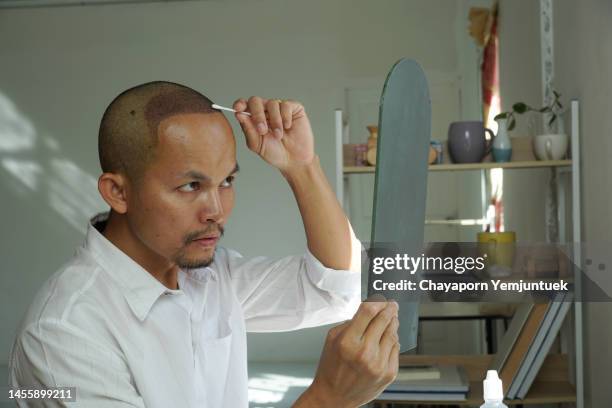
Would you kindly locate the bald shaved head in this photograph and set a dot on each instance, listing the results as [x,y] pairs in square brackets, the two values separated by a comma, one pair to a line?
[128,134]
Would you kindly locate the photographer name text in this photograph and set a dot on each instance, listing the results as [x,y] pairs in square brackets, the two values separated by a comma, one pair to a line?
[429,285]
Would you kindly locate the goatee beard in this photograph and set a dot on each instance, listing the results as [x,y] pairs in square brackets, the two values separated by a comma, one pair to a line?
[194,264]
[184,263]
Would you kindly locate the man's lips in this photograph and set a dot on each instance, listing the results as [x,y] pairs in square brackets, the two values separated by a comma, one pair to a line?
[206,241]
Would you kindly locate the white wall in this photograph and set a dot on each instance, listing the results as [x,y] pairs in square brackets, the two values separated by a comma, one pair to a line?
[61,66]
[583,63]
[520,81]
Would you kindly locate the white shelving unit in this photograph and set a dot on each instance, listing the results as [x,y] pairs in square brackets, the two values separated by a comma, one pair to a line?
[561,167]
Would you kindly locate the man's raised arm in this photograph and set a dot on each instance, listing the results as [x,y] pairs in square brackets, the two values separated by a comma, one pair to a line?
[280,132]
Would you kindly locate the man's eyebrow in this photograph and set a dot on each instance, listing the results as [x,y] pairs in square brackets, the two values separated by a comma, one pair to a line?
[196,175]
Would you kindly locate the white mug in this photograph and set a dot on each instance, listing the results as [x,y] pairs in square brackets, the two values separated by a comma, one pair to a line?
[550,146]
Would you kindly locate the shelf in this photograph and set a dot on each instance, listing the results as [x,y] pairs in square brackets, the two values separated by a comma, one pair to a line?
[551,385]
[460,222]
[473,166]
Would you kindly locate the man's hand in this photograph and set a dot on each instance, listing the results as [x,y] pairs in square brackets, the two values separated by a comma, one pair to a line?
[278,131]
[360,358]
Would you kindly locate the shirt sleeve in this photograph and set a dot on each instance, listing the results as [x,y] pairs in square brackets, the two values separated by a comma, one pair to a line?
[55,354]
[294,292]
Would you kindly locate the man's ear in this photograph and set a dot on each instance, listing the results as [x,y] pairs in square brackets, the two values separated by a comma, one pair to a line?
[113,188]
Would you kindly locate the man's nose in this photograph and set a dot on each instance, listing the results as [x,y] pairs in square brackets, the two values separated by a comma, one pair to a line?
[211,208]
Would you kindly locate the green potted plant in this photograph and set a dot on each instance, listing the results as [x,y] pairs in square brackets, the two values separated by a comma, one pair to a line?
[554,109]
[552,145]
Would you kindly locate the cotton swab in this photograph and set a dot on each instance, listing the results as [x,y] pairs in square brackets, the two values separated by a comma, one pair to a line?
[215,106]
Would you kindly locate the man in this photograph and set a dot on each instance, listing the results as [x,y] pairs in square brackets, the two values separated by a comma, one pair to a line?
[151,312]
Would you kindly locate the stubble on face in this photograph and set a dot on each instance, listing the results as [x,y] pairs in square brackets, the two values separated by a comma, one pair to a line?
[183,261]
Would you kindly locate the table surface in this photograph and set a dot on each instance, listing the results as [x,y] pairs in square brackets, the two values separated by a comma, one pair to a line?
[278,385]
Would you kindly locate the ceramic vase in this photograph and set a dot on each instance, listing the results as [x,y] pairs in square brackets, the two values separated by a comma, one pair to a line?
[502,147]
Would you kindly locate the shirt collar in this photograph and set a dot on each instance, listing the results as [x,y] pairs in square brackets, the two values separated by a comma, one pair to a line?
[140,289]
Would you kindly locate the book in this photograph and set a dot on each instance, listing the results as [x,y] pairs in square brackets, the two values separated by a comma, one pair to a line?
[421,396]
[521,346]
[545,346]
[418,372]
[452,380]
[514,330]
[534,347]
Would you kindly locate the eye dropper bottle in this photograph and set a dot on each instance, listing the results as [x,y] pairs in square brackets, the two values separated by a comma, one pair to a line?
[493,391]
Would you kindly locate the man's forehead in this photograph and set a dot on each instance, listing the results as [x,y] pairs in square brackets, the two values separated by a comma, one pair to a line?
[196,143]
[196,127]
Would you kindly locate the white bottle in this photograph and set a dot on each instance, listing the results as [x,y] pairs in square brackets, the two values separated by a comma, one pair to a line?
[493,391]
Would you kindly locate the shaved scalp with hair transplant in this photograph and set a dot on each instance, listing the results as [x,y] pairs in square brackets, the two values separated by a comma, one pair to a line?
[128,134]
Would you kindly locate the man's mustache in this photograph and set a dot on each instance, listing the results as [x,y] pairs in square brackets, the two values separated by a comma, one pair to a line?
[213,229]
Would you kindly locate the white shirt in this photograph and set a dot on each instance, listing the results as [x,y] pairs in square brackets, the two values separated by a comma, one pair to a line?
[104,325]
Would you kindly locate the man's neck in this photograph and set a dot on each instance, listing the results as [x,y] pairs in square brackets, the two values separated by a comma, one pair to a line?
[118,232]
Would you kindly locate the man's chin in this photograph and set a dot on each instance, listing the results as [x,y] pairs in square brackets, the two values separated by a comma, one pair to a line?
[194,263]
[195,256]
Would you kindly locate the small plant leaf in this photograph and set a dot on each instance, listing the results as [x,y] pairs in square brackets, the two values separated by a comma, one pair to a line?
[519,107]
[503,115]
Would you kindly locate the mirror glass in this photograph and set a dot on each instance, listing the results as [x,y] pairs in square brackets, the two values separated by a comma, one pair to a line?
[400,187]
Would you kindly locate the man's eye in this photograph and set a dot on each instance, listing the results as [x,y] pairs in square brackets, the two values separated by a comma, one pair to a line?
[190,187]
[228,181]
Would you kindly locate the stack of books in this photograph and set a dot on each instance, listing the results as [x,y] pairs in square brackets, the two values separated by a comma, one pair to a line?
[527,342]
[428,383]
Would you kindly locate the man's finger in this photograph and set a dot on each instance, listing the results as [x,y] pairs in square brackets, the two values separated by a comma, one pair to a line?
[393,361]
[240,105]
[379,324]
[389,338]
[253,139]
[274,117]
[258,114]
[286,111]
[364,315]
